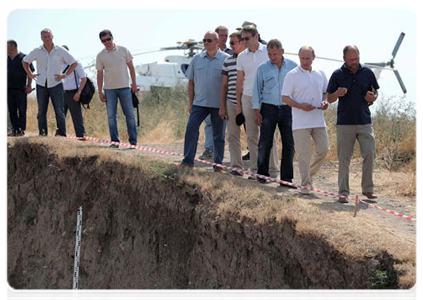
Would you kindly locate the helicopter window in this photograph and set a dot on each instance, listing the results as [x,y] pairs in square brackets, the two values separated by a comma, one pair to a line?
[184,68]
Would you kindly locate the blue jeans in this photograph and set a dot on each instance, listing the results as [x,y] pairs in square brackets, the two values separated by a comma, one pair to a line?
[272,116]
[197,116]
[17,104]
[125,96]
[208,132]
[57,99]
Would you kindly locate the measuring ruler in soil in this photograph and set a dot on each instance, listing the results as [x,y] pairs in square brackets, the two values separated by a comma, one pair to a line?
[77,249]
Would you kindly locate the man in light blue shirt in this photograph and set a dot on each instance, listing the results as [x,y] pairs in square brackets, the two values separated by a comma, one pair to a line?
[205,81]
[271,111]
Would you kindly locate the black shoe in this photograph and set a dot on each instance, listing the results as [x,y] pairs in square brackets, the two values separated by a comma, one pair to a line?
[288,186]
[261,180]
[114,146]
[246,156]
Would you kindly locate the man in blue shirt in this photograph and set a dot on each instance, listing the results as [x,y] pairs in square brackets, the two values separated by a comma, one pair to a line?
[205,80]
[18,86]
[356,87]
[271,111]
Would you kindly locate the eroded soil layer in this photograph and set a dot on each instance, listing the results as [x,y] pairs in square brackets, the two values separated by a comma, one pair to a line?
[141,232]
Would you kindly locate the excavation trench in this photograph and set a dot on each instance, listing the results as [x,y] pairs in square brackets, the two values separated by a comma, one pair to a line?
[146,231]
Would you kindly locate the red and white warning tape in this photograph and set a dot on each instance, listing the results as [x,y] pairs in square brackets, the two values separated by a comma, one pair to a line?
[241,171]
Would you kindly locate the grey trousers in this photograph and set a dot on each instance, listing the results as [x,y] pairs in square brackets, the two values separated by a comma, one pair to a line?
[76,113]
[346,136]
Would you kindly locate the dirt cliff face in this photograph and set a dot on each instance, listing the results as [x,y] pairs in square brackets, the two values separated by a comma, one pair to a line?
[151,232]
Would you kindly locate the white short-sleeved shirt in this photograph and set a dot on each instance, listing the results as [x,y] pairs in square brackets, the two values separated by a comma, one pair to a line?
[69,82]
[248,62]
[49,64]
[114,63]
[303,86]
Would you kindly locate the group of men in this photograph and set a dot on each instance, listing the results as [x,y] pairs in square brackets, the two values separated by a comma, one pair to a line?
[257,86]
[252,84]
[61,78]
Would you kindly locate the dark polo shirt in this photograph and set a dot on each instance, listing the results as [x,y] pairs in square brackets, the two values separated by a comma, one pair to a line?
[353,109]
[16,75]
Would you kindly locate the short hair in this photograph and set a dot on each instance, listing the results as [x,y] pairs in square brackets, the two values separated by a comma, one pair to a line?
[105,32]
[350,47]
[214,33]
[306,48]
[46,30]
[219,28]
[237,34]
[13,42]
[250,29]
[275,43]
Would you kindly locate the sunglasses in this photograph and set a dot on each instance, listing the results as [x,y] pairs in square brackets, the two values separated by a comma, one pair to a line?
[247,38]
[106,40]
[207,40]
[232,43]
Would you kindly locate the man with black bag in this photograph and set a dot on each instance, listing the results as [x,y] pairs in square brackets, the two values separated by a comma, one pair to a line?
[72,87]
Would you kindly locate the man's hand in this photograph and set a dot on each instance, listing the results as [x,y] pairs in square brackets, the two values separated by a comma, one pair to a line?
[76,96]
[305,106]
[370,97]
[325,105]
[222,113]
[259,117]
[102,96]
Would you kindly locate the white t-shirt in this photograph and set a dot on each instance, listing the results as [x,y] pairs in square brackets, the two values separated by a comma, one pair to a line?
[303,86]
[248,62]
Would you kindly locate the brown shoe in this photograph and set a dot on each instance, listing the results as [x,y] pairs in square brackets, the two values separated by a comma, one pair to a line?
[342,200]
[370,195]
[219,170]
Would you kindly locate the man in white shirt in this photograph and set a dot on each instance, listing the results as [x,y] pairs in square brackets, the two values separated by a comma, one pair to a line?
[246,65]
[72,87]
[304,90]
[50,59]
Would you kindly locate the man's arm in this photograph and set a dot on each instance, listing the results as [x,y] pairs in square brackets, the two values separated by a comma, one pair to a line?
[134,87]
[31,76]
[239,90]
[100,85]
[223,93]
[191,94]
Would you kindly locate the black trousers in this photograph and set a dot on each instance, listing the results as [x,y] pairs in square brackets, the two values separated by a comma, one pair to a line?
[17,104]
[76,113]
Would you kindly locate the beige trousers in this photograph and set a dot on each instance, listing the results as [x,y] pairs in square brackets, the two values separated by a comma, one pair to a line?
[308,165]
[234,136]
[346,136]
[253,131]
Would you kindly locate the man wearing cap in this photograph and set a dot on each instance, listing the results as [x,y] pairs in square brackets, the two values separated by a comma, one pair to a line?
[271,111]
[205,80]
[246,65]
[304,89]
[50,59]
[228,102]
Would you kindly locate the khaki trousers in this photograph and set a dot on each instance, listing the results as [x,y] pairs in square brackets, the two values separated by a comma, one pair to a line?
[346,136]
[302,139]
[234,136]
[253,131]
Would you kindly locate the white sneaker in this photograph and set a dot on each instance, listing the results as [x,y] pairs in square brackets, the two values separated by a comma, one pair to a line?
[305,190]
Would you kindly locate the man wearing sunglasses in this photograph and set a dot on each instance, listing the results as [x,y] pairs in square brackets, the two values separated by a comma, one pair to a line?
[304,89]
[228,102]
[205,80]
[246,65]
[112,65]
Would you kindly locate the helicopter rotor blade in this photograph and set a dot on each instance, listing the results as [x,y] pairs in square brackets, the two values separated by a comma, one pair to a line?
[404,89]
[398,44]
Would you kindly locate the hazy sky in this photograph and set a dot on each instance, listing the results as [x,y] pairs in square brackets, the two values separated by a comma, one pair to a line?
[374,31]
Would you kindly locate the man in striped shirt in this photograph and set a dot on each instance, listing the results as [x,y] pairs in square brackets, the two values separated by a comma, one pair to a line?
[228,101]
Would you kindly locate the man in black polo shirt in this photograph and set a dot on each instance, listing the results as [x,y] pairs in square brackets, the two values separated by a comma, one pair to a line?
[356,87]
[18,86]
